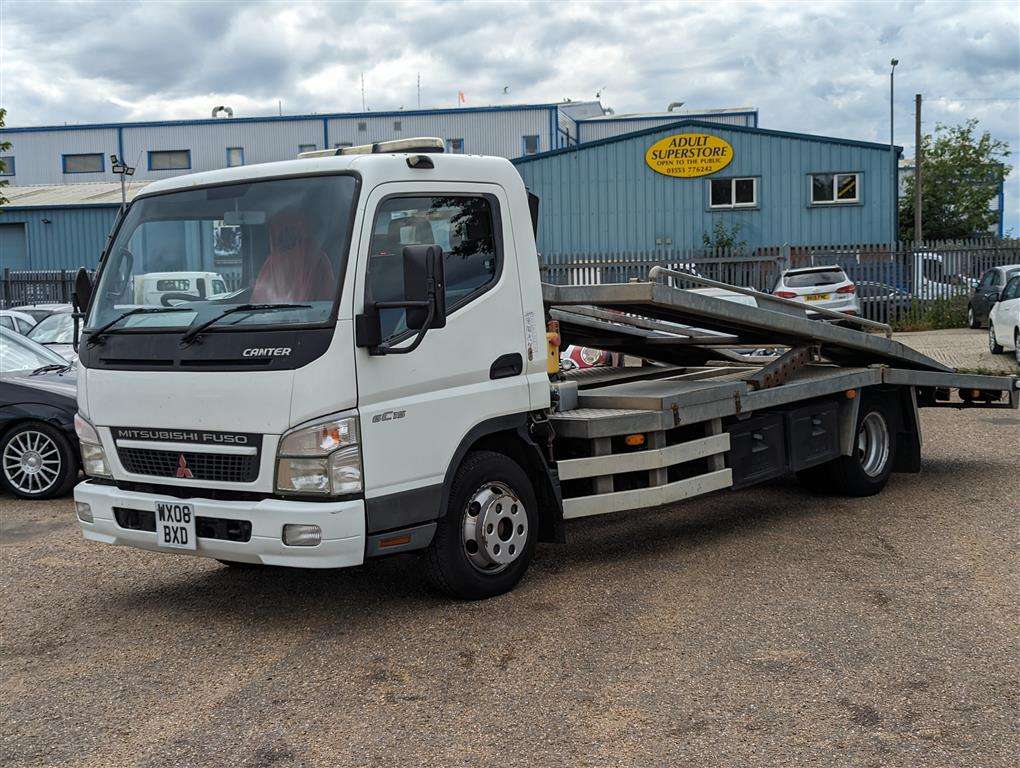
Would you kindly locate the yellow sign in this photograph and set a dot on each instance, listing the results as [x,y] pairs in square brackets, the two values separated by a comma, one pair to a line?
[688,155]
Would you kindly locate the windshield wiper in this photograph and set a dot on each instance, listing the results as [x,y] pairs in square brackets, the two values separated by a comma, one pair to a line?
[96,337]
[191,335]
[52,368]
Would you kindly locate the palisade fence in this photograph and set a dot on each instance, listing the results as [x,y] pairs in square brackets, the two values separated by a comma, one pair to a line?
[36,287]
[893,284]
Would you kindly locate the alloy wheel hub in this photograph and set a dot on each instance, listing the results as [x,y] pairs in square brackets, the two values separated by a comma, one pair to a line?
[495,528]
[31,462]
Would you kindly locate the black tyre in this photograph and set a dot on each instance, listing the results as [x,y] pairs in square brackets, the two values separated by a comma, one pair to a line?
[993,344]
[1016,345]
[37,461]
[972,318]
[486,540]
[866,471]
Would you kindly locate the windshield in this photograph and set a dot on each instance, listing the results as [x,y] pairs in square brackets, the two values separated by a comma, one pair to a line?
[55,329]
[18,354]
[203,251]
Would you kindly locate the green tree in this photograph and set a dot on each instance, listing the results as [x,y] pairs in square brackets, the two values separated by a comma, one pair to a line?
[723,237]
[4,146]
[960,176]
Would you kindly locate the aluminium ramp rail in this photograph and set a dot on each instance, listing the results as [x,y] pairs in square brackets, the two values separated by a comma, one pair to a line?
[743,324]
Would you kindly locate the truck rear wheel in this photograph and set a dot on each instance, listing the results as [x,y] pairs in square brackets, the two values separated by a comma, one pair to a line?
[866,470]
[485,541]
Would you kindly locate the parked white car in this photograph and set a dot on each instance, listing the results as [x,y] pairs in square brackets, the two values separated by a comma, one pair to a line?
[824,287]
[19,322]
[56,331]
[1004,320]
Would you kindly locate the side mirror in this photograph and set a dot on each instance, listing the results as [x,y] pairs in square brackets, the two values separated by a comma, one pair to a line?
[424,287]
[80,298]
[423,302]
[82,290]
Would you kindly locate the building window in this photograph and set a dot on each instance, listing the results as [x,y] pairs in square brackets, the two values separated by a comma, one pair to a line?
[307,148]
[529,145]
[362,127]
[835,188]
[733,193]
[7,163]
[455,146]
[91,163]
[235,156]
[397,126]
[170,160]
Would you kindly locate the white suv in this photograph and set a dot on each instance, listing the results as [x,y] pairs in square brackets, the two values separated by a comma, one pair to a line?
[825,287]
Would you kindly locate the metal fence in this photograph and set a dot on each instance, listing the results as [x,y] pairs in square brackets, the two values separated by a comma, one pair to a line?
[892,283]
[28,287]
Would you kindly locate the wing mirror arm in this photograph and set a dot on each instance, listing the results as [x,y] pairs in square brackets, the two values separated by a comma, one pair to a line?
[424,302]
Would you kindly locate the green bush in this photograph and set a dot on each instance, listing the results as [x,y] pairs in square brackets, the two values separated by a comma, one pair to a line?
[933,315]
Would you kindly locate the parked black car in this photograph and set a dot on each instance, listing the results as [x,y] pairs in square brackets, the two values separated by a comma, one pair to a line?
[987,293]
[39,454]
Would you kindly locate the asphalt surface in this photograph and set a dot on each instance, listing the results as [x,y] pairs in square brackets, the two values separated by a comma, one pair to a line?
[767,627]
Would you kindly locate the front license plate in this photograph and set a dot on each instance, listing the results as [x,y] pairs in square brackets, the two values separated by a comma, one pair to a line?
[175,525]
[818,297]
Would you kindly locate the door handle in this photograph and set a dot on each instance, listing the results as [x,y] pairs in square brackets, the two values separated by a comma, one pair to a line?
[506,366]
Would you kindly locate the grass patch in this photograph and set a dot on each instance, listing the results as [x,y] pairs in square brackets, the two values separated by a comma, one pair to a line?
[933,315]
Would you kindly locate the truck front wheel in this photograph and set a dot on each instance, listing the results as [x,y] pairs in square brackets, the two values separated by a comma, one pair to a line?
[866,470]
[485,541]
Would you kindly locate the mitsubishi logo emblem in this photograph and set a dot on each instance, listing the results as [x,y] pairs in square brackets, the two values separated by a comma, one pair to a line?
[182,468]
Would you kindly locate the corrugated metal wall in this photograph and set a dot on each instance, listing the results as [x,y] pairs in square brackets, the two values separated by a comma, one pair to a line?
[593,130]
[492,132]
[604,198]
[262,142]
[63,238]
[38,154]
[486,133]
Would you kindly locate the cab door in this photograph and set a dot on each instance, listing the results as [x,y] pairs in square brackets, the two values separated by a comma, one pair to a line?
[416,408]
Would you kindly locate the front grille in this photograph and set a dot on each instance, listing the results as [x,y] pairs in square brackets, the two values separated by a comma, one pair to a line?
[226,467]
[205,527]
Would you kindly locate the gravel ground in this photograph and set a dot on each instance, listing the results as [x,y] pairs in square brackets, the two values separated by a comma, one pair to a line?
[766,627]
[960,348]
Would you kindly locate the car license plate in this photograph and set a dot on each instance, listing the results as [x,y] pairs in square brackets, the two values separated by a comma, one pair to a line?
[175,525]
[818,297]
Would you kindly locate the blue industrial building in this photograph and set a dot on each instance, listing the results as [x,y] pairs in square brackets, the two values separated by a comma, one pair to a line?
[765,187]
[62,226]
[64,196]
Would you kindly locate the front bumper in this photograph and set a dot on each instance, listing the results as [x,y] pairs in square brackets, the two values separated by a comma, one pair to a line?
[342,524]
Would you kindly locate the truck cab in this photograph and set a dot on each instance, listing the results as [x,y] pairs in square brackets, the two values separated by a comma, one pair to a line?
[277,434]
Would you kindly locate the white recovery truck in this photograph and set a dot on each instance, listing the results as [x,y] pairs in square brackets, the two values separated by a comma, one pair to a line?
[379,382]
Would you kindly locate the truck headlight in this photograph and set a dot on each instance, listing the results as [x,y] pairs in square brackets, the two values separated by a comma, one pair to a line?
[93,459]
[323,458]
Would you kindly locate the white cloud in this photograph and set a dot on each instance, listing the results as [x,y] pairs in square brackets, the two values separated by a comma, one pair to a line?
[815,68]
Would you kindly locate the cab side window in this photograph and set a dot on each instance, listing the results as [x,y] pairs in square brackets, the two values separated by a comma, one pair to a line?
[988,279]
[464,226]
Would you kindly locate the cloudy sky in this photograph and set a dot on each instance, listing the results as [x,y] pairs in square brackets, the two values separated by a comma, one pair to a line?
[813,67]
